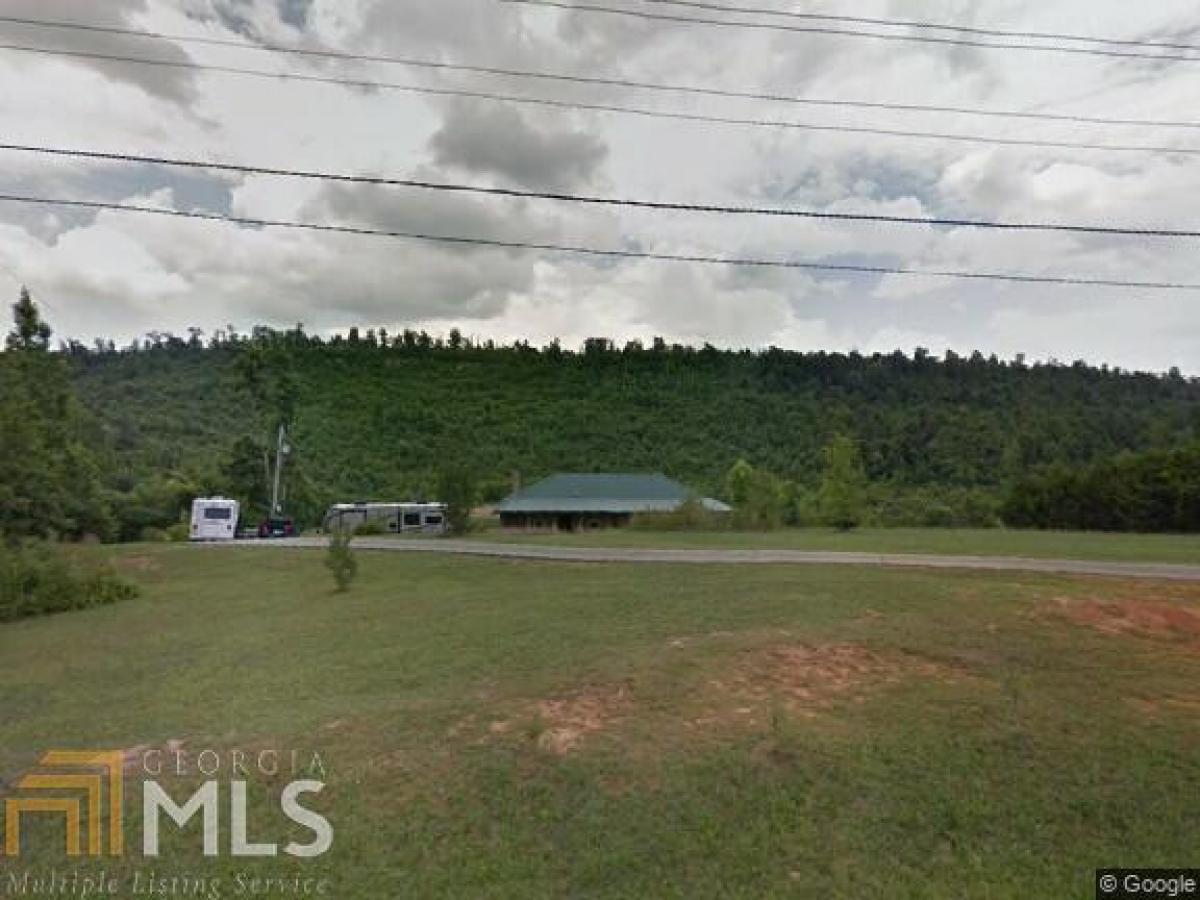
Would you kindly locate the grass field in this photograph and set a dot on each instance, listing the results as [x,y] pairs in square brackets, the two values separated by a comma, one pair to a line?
[517,729]
[1166,548]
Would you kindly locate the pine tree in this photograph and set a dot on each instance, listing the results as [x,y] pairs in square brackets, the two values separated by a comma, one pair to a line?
[50,475]
[30,330]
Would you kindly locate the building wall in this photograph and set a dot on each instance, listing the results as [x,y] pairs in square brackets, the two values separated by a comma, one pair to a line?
[563,521]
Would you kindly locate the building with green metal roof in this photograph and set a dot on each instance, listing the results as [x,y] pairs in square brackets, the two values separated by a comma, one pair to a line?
[574,502]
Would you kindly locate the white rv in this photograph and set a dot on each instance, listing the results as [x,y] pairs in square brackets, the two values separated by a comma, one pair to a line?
[214,519]
[389,518]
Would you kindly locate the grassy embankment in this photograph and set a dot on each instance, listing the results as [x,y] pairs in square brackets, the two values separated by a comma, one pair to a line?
[519,729]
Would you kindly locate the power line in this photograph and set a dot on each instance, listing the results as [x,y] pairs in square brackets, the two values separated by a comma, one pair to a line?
[563,77]
[932,26]
[611,254]
[784,212]
[846,32]
[642,112]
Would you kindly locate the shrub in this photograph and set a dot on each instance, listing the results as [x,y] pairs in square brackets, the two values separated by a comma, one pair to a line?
[691,516]
[933,507]
[340,560]
[38,578]
[370,527]
[761,501]
[105,586]
[178,533]
[1153,491]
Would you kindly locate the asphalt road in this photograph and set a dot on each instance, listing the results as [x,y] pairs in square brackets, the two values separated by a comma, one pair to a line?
[752,557]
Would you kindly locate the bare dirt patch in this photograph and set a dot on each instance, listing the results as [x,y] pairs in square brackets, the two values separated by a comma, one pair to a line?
[1158,706]
[568,720]
[1147,618]
[561,724]
[744,689]
[807,679]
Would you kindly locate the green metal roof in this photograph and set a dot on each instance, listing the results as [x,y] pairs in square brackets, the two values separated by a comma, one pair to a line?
[602,493]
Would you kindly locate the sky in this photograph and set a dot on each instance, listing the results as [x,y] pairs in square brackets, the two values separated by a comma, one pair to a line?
[118,275]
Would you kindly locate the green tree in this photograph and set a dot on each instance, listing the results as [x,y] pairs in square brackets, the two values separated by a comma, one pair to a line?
[244,476]
[458,489]
[30,330]
[738,482]
[50,472]
[842,497]
[340,559]
[759,498]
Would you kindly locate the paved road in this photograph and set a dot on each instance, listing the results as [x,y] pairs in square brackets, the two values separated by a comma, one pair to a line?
[754,557]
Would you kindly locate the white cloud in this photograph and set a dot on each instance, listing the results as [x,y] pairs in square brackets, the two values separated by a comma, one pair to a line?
[119,274]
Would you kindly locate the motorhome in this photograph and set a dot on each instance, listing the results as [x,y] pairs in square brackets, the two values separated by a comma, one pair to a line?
[387,518]
[214,519]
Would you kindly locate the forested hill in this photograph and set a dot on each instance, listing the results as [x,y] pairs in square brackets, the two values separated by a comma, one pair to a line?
[377,419]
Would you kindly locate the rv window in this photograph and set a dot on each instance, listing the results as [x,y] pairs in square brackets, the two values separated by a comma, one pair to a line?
[218,512]
[433,520]
[412,518]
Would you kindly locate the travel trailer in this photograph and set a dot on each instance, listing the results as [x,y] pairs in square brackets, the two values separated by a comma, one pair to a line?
[387,518]
[214,519]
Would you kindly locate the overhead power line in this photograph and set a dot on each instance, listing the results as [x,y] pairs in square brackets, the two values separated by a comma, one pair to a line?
[564,77]
[932,26]
[643,112]
[848,32]
[776,211]
[845,268]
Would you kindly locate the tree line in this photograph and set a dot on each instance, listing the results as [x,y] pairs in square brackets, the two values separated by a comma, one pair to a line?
[137,431]
[1158,490]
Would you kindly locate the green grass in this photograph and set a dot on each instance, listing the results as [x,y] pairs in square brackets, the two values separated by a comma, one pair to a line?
[1002,751]
[1166,548]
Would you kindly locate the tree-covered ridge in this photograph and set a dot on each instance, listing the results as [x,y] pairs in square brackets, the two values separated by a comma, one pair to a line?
[377,416]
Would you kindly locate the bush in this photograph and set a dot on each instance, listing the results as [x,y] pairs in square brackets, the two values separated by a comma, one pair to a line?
[340,560]
[1155,491]
[38,578]
[691,516]
[893,507]
[761,501]
[371,527]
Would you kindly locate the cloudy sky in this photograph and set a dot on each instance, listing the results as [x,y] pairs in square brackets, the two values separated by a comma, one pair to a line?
[118,274]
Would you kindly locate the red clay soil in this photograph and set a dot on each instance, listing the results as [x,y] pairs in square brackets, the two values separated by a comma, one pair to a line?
[564,722]
[1142,618]
[569,719]
[806,680]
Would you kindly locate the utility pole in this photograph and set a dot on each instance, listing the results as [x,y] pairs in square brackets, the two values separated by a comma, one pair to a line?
[282,449]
